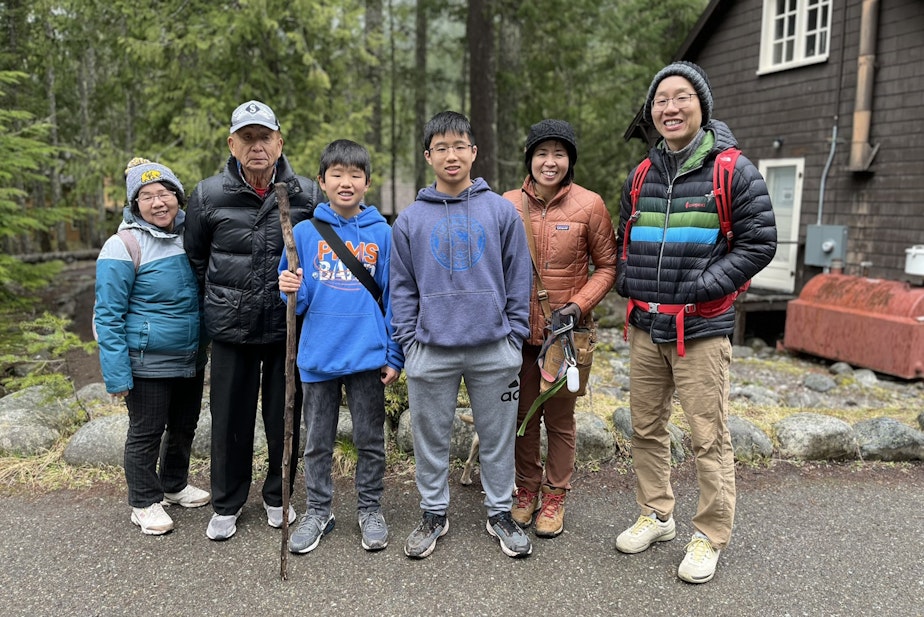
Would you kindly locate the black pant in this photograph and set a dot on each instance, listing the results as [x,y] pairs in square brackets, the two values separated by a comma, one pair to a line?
[162,417]
[238,372]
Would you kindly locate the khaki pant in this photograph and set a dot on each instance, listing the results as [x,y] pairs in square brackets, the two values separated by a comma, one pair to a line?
[701,381]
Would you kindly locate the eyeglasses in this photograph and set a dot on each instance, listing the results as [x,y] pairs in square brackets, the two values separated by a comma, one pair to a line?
[443,150]
[149,199]
[680,101]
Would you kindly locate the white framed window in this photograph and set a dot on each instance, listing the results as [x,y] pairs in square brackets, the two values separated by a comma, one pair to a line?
[794,33]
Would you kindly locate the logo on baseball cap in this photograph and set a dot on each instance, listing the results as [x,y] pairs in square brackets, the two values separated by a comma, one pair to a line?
[253,112]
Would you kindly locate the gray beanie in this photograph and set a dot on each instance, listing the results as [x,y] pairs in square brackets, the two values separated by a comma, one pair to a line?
[695,75]
[558,130]
[140,172]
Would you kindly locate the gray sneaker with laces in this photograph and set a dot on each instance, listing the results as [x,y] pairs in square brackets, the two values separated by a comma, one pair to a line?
[513,540]
[311,528]
[374,530]
[423,539]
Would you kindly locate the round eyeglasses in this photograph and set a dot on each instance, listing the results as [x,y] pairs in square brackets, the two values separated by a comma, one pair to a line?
[149,199]
[680,101]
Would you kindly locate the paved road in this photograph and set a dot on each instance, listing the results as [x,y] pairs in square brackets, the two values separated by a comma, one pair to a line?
[847,541]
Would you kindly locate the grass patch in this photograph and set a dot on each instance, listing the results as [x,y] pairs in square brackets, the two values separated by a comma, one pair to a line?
[48,471]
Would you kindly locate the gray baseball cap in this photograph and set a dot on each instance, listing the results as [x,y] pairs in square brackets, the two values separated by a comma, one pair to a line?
[253,112]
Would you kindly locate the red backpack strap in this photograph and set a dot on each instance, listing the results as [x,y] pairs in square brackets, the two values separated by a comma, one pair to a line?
[637,181]
[722,174]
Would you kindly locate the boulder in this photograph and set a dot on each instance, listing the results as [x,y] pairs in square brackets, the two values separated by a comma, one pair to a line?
[99,442]
[748,441]
[813,437]
[886,439]
[594,442]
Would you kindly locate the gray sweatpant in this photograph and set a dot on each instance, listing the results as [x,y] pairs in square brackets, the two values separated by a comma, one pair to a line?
[491,378]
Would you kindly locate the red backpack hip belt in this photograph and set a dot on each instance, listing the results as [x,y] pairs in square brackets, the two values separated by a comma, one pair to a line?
[710,309]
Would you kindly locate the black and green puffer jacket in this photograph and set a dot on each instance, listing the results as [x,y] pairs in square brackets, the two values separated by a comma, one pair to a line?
[675,254]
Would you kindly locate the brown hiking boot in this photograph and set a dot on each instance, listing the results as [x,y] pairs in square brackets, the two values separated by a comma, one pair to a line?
[551,518]
[525,504]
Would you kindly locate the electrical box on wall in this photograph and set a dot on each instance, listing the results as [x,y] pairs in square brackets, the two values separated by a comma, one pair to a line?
[824,244]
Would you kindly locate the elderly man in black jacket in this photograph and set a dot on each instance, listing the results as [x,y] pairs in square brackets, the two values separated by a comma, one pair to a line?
[234,242]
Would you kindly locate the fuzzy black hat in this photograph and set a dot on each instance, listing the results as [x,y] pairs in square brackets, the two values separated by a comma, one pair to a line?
[558,130]
[692,73]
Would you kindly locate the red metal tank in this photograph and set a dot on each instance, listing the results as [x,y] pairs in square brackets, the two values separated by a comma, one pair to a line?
[871,323]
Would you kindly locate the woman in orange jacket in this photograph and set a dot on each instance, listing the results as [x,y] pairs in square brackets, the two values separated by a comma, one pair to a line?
[572,230]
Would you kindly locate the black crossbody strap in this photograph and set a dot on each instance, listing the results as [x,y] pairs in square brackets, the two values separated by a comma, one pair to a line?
[349,259]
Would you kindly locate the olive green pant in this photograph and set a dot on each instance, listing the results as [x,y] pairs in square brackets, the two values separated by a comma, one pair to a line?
[701,381]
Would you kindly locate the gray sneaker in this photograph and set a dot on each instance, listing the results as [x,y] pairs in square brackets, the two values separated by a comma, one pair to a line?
[311,528]
[222,526]
[423,539]
[513,541]
[274,515]
[374,530]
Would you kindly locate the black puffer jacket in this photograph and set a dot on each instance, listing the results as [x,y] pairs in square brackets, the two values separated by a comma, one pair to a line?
[675,254]
[234,242]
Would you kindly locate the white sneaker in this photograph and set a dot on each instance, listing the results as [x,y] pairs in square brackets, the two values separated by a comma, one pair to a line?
[222,526]
[274,515]
[646,531]
[189,497]
[152,520]
[698,566]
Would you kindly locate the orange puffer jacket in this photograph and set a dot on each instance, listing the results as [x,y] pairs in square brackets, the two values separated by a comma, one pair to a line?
[572,231]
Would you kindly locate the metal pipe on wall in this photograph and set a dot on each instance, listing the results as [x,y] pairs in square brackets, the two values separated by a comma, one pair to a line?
[861,152]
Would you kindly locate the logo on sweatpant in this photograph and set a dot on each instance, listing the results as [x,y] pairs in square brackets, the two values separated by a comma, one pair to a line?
[512,393]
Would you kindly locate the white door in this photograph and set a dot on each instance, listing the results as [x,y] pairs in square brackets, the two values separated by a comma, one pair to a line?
[784,183]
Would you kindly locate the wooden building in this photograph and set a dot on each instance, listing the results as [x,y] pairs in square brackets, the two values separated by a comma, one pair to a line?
[827,98]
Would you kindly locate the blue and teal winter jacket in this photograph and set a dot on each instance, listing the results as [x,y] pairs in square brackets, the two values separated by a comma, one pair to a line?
[147,322]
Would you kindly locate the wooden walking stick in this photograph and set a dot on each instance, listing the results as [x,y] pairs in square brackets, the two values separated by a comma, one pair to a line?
[282,199]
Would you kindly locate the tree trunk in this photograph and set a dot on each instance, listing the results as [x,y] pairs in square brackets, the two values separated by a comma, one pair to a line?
[420,92]
[512,136]
[54,169]
[374,78]
[483,80]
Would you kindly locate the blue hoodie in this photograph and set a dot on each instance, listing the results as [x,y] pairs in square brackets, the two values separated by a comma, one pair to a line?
[461,271]
[344,331]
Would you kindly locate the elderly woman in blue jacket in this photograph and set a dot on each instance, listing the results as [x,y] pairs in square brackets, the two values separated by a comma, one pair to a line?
[147,323]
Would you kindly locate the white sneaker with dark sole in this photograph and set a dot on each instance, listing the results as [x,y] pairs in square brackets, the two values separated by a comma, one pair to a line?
[698,566]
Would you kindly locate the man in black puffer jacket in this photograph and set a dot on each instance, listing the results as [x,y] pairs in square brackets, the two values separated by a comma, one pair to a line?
[234,242]
[679,274]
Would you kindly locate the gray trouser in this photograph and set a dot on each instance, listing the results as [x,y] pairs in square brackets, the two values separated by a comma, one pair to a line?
[366,399]
[433,378]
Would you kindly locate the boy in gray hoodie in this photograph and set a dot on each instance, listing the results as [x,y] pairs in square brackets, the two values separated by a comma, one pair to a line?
[460,283]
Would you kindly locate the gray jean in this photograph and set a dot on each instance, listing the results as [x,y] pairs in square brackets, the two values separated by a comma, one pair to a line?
[321,410]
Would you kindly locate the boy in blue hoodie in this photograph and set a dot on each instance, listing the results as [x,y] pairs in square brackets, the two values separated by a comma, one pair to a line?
[460,280]
[346,340]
